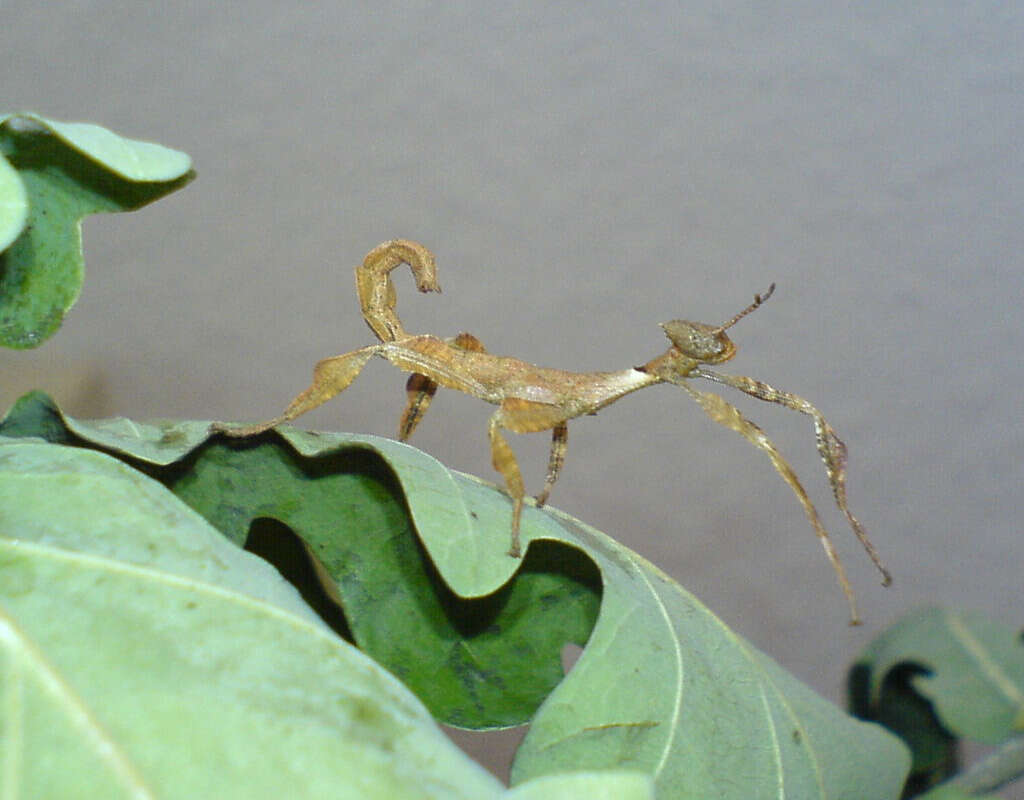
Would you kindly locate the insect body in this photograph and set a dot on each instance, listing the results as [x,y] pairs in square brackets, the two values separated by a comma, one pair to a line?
[532,399]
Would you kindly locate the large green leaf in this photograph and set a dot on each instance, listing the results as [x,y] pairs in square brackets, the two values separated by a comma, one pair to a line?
[479,663]
[142,655]
[662,687]
[52,174]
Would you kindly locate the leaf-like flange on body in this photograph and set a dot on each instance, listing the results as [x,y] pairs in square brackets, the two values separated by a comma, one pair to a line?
[52,174]
[662,687]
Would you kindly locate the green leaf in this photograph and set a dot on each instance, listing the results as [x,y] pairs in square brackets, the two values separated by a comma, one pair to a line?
[954,793]
[142,655]
[911,717]
[479,663]
[132,159]
[662,688]
[34,415]
[52,174]
[605,785]
[455,652]
[968,667]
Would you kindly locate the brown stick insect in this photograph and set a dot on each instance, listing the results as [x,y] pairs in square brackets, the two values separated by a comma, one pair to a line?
[532,399]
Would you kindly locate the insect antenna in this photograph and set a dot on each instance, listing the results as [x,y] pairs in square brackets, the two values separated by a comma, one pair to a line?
[758,300]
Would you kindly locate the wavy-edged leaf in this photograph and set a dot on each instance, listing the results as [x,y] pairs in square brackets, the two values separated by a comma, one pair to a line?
[64,171]
[970,668]
[142,655]
[477,663]
[662,687]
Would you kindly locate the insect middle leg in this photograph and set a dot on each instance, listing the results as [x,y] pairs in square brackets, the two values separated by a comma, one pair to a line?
[559,445]
[830,448]
[421,389]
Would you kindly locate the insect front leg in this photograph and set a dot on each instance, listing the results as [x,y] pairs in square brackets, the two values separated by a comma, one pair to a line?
[331,377]
[725,413]
[830,448]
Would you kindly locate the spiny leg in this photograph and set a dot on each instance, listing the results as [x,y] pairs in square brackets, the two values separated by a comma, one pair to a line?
[830,447]
[559,444]
[331,377]
[421,389]
[504,461]
[724,413]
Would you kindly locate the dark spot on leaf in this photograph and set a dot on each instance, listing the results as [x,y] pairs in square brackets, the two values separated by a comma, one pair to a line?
[172,437]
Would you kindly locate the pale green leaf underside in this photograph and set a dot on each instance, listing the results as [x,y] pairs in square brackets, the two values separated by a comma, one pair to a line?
[141,655]
[132,159]
[661,673]
[606,785]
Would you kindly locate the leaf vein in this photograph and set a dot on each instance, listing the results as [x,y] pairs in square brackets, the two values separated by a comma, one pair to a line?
[170,579]
[75,708]
[999,679]
[680,672]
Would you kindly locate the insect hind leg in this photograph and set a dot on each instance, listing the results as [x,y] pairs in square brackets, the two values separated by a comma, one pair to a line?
[331,377]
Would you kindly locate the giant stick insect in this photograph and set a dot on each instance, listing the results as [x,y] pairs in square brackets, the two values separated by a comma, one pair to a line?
[532,399]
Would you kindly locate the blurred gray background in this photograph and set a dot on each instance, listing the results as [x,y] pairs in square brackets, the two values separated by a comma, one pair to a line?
[584,171]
